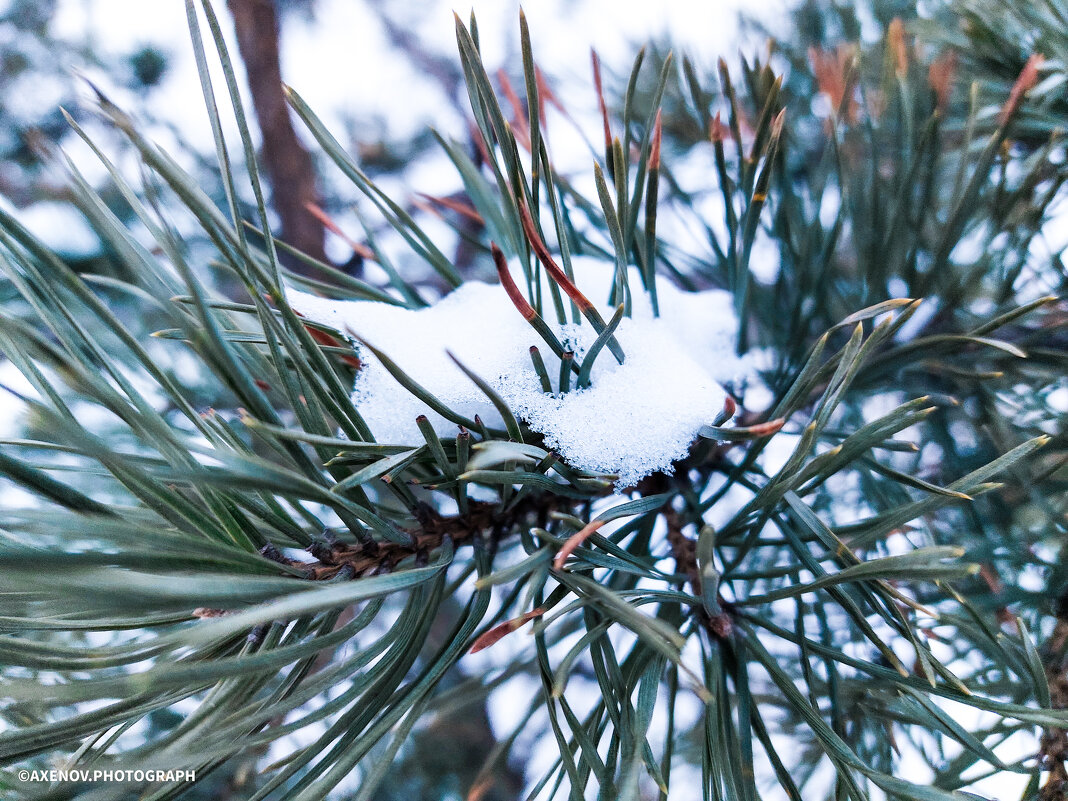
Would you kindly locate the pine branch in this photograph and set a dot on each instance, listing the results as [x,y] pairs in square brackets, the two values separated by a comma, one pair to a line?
[835,570]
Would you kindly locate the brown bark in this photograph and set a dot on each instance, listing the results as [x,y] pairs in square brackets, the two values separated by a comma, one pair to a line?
[287,163]
[1053,746]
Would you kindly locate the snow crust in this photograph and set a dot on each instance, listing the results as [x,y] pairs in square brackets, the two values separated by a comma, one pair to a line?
[635,419]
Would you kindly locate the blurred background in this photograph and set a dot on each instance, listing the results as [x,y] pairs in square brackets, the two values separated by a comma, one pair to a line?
[380,74]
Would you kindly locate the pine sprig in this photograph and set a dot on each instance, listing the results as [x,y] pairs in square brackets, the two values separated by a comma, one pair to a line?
[823,570]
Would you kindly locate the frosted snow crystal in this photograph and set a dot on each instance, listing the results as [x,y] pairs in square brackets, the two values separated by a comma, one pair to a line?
[635,419]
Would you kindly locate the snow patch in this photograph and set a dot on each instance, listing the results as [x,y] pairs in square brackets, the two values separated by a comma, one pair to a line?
[635,419]
[60,226]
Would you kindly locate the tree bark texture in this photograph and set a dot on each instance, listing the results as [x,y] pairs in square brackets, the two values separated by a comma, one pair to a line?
[288,165]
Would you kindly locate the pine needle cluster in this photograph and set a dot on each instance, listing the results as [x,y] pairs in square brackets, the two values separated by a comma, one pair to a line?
[218,567]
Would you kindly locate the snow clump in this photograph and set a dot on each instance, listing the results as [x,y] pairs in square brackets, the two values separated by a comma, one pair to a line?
[635,419]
